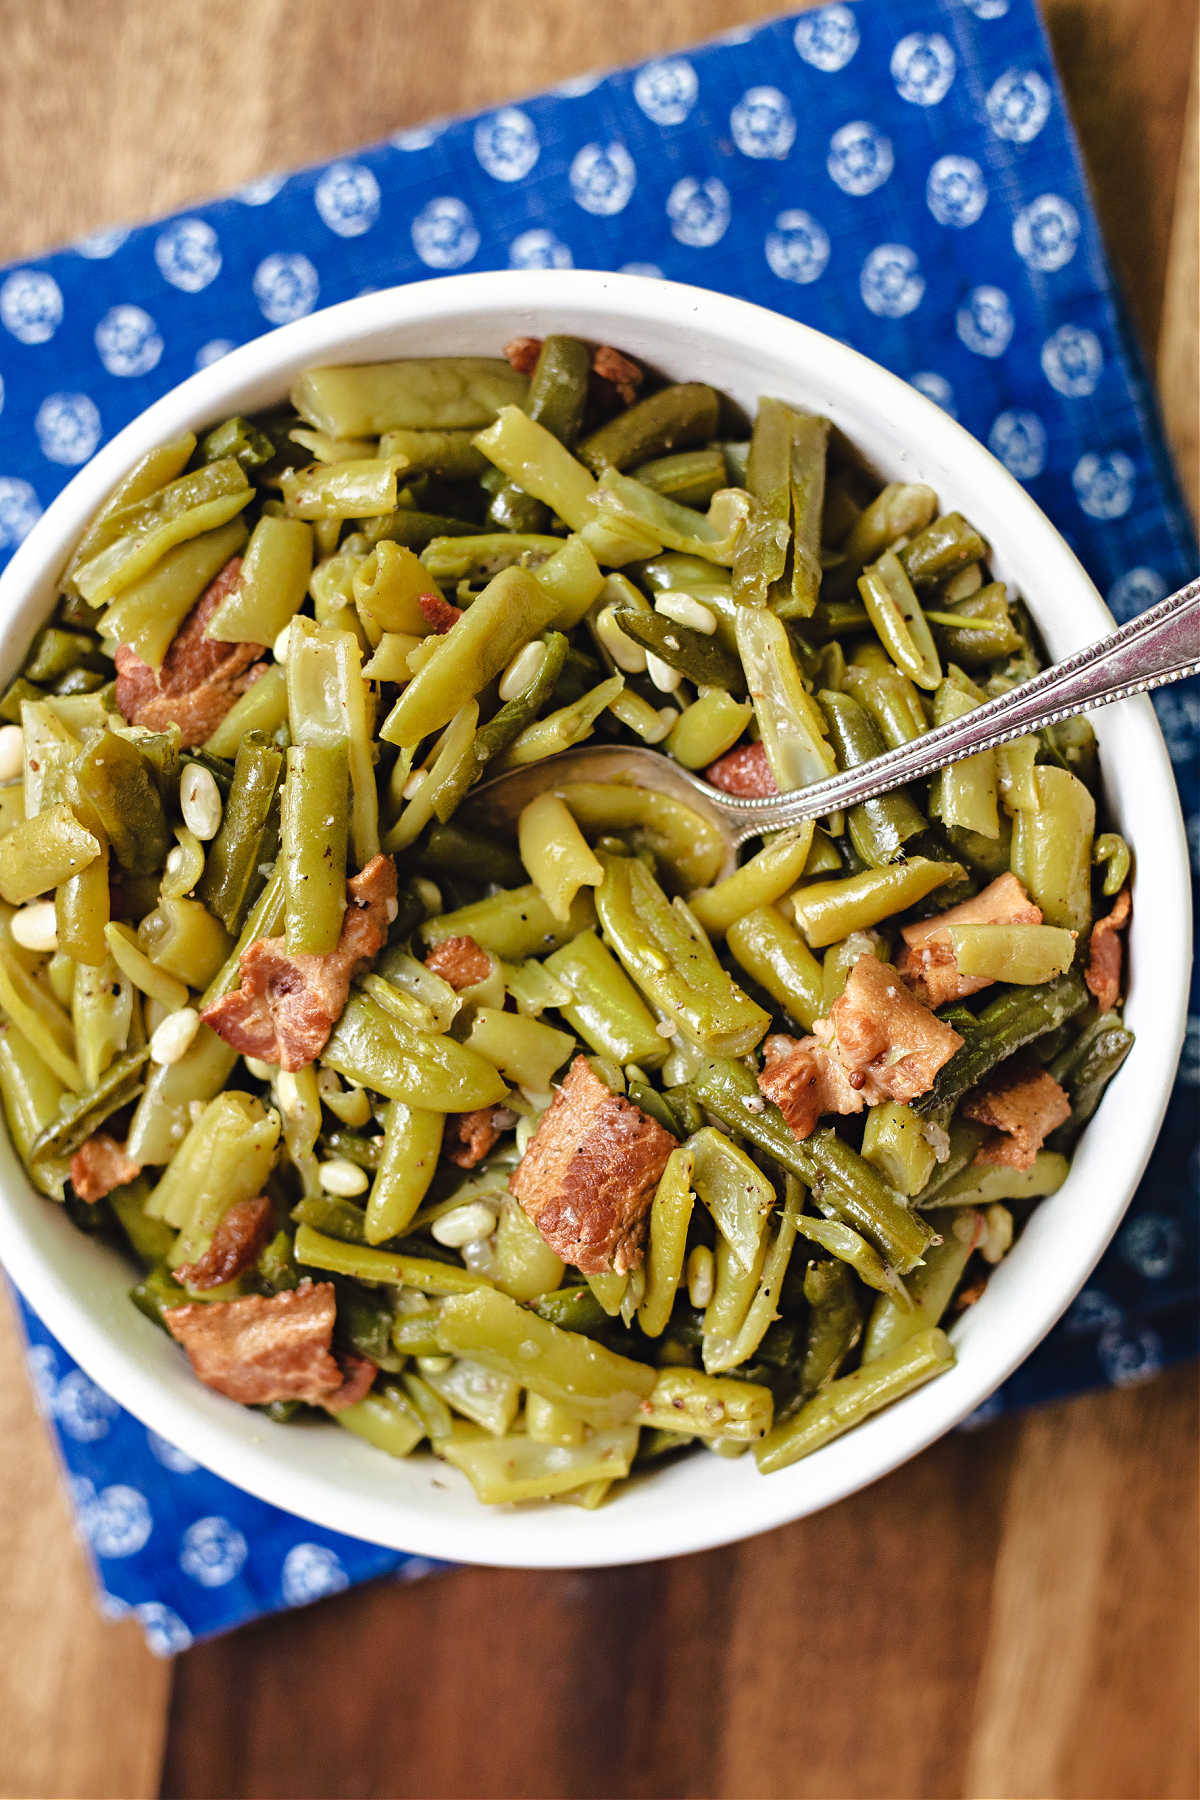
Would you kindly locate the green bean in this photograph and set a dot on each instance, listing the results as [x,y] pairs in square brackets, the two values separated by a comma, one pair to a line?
[314,847]
[436,393]
[532,458]
[964,1138]
[526,1051]
[895,1143]
[378,1051]
[557,396]
[668,956]
[574,1309]
[225,1157]
[32,1094]
[1052,849]
[778,560]
[1023,954]
[149,611]
[736,1193]
[898,510]
[691,848]
[239,438]
[518,1468]
[264,919]
[1015,1019]
[560,730]
[827,911]
[978,629]
[315,1250]
[773,953]
[982,1184]
[262,709]
[144,974]
[707,1406]
[116,782]
[1096,1059]
[512,925]
[602,1004]
[944,546]
[162,1114]
[145,530]
[842,1241]
[272,585]
[621,508]
[120,1083]
[450,455]
[674,417]
[511,610]
[328,704]
[931,1288]
[880,828]
[852,1398]
[333,1218]
[149,1239]
[386,1419]
[699,657]
[231,869]
[691,477]
[149,475]
[822,1162]
[42,852]
[571,1371]
[791,723]
[101,1015]
[894,610]
[1111,853]
[39,1018]
[482,555]
[706,729]
[364,488]
[55,652]
[670,1214]
[731,1352]
[964,794]
[835,1323]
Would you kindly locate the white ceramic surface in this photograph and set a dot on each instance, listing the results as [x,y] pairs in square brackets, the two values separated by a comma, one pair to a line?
[321,1473]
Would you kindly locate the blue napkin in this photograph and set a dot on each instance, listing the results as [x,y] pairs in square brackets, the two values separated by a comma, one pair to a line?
[899,173]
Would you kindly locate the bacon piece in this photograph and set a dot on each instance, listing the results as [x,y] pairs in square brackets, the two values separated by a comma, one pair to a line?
[1103,972]
[438,612]
[588,1176]
[744,771]
[200,678]
[928,964]
[889,1042]
[101,1164]
[805,1080]
[523,353]
[286,1006]
[469,1136]
[618,372]
[357,1372]
[256,1350]
[460,961]
[1023,1105]
[240,1235]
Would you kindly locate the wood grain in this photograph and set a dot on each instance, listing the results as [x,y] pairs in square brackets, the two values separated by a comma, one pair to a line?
[1013,1613]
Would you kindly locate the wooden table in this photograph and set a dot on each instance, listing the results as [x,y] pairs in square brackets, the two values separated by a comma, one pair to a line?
[1012,1614]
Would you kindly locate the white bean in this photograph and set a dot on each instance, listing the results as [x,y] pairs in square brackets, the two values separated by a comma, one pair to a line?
[12,752]
[34,928]
[522,670]
[340,1176]
[464,1225]
[665,678]
[170,1040]
[627,655]
[200,801]
[279,648]
[686,611]
[700,1276]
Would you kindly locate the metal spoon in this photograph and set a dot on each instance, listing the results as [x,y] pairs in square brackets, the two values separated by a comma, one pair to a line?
[1160,646]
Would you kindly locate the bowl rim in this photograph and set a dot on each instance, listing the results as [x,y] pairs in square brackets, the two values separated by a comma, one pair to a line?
[207,1427]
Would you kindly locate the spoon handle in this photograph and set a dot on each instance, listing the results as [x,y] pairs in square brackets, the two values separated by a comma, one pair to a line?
[1161,645]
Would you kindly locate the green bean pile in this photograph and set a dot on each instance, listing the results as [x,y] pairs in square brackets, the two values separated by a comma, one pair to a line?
[283,657]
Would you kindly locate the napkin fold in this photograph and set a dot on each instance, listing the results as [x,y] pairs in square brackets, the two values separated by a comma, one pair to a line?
[899,173]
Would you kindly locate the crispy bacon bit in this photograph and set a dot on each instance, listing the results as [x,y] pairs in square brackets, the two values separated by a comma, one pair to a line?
[805,1080]
[622,375]
[357,1372]
[886,1035]
[1103,972]
[200,677]
[589,1174]
[1023,1105]
[469,1136]
[744,772]
[460,961]
[438,612]
[256,1350]
[286,1006]
[240,1235]
[523,353]
[928,964]
[101,1164]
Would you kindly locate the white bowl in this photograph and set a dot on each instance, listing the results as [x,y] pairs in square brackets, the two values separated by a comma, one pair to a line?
[79,1286]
